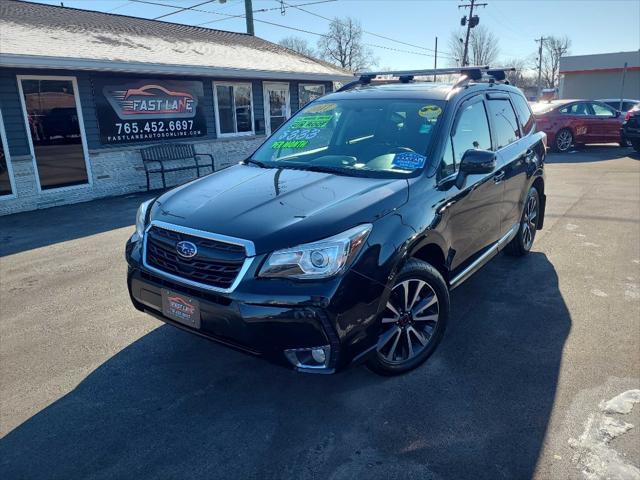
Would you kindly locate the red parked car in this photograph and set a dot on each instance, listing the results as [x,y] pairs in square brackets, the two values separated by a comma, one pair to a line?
[577,122]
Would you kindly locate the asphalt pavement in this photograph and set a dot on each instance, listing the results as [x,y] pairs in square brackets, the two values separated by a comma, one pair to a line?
[92,389]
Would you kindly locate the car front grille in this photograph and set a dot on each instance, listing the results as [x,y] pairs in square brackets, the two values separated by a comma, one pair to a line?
[217,264]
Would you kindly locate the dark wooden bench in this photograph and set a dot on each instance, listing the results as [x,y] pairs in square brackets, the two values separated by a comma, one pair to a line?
[157,159]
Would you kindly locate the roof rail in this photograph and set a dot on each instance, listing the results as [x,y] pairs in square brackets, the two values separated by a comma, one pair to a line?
[472,73]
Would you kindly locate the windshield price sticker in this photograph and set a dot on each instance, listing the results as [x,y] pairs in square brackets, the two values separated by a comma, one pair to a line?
[290,144]
[320,108]
[312,121]
[409,160]
[430,112]
[300,134]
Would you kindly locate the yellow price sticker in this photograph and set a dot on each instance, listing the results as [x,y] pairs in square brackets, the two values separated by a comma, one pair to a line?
[430,111]
[321,108]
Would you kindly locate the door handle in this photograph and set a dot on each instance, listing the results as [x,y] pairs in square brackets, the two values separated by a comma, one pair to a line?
[498,177]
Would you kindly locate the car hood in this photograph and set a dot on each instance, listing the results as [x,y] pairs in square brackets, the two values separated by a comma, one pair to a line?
[279,208]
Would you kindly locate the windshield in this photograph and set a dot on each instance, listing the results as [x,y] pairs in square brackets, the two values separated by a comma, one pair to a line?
[388,137]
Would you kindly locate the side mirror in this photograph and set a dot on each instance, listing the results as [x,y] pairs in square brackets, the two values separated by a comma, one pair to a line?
[475,162]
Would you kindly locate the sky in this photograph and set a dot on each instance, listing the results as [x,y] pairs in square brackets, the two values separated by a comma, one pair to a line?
[594,26]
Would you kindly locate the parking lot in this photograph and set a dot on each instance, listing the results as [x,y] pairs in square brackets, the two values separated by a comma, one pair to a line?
[92,388]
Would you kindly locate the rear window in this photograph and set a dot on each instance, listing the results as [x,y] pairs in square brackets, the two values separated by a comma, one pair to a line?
[524,113]
[372,137]
[504,122]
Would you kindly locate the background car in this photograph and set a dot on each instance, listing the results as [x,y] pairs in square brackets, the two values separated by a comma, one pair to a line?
[578,122]
[631,127]
[627,103]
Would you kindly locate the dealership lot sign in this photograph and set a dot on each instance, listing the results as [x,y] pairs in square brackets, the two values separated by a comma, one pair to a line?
[133,111]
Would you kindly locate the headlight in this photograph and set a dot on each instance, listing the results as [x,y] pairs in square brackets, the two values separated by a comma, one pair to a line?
[141,217]
[321,259]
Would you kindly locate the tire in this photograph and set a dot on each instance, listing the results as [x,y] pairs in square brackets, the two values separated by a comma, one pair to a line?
[636,145]
[563,141]
[523,241]
[407,339]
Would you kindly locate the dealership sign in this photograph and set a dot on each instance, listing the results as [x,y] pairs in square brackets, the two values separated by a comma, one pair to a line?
[132,111]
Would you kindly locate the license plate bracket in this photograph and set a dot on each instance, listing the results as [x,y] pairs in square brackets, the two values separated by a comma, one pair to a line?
[181,308]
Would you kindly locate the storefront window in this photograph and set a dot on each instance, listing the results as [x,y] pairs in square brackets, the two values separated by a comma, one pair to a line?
[308,93]
[5,173]
[54,125]
[234,111]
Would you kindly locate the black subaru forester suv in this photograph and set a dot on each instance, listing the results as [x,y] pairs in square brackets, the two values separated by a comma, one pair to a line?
[339,239]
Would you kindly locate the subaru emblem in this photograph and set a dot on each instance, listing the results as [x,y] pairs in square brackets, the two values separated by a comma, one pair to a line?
[186,249]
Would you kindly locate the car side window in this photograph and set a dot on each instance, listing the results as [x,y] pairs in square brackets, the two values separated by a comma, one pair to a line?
[524,113]
[600,110]
[575,109]
[470,131]
[504,122]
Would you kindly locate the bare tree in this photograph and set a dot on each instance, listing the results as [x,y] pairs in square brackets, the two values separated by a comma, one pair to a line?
[554,48]
[483,46]
[523,77]
[299,45]
[343,46]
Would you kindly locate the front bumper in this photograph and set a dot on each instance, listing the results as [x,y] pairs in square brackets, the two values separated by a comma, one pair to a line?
[265,317]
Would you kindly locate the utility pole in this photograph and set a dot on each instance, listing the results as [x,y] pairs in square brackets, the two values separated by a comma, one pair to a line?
[435,59]
[470,21]
[541,40]
[624,74]
[248,12]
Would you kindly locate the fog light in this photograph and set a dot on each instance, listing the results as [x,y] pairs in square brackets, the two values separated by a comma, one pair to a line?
[309,358]
[318,355]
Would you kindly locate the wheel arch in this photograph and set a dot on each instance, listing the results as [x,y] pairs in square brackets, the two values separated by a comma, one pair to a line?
[538,184]
[432,253]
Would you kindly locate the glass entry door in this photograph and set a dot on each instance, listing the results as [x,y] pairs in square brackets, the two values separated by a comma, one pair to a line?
[276,105]
[53,118]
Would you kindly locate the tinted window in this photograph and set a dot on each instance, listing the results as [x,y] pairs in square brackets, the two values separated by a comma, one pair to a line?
[504,122]
[601,110]
[471,131]
[55,132]
[575,109]
[524,113]
[234,108]
[359,137]
[307,93]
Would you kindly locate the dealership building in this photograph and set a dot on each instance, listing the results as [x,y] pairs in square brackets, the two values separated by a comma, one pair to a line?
[83,93]
[605,75]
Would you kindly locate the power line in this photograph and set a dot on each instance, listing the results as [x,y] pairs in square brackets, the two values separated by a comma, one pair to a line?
[182,9]
[119,6]
[150,2]
[369,33]
[242,15]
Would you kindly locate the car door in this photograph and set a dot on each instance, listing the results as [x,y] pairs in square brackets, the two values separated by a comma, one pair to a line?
[472,213]
[576,117]
[514,156]
[605,123]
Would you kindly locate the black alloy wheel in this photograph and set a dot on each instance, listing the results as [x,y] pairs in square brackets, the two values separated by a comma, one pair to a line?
[523,241]
[413,320]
